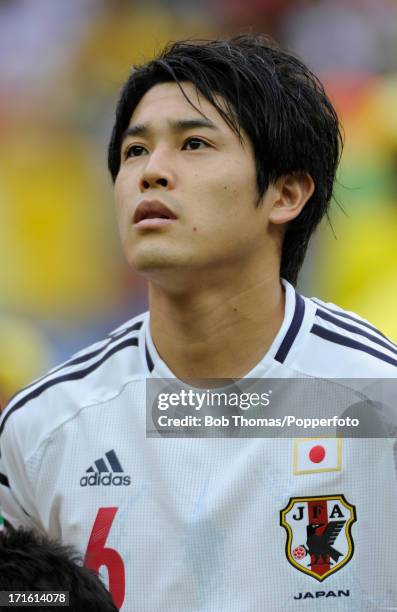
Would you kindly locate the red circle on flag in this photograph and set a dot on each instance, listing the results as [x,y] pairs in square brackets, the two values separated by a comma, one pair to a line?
[317,454]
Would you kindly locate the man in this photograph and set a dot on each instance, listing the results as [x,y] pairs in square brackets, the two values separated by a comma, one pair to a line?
[33,563]
[223,157]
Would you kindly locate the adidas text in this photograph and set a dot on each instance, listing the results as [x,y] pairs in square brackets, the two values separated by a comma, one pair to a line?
[106,480]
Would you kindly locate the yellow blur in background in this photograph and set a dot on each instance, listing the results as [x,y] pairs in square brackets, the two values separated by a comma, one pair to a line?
[24,354]
[357,268]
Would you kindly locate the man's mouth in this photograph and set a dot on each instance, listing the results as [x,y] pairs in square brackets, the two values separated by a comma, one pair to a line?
[153,213]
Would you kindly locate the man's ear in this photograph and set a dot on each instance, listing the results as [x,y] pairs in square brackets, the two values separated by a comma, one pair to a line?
[292,193]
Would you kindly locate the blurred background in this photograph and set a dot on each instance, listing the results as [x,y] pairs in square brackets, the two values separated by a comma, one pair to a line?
[63,280]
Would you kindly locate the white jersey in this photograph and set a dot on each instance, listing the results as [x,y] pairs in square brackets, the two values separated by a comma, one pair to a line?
[209,525]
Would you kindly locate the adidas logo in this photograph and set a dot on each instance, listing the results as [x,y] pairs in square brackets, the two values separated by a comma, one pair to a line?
[105,473]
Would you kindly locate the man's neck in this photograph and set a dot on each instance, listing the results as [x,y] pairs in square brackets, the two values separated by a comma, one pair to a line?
[216,333]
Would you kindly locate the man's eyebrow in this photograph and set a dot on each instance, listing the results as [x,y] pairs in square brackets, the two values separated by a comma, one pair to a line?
[139,129]
[144,129]
[189,124]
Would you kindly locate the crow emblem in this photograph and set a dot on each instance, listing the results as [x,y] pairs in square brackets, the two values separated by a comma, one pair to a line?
[319,539]
[319,545]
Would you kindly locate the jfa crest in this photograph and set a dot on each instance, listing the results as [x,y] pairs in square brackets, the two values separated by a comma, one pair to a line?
[319,540]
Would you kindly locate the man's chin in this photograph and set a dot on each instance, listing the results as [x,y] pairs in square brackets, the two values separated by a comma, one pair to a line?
[150,262]
[170,272]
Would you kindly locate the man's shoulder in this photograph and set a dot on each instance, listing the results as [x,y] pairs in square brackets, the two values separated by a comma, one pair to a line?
[92,375]
[341,343]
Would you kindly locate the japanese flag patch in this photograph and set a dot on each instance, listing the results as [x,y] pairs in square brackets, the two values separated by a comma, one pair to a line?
[312,455]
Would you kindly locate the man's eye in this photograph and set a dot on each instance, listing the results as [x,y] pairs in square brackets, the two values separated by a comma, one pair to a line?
[192,144]
[135,151]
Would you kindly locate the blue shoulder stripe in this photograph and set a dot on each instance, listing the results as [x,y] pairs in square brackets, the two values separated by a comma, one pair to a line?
[149,359]
[293,330]
[331,336]
[4,480]
[76,375]
[356,319]
[355,330]
[87,356]
[81,359]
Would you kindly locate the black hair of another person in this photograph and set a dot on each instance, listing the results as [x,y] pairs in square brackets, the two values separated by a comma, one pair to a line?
[31,562]
[271,95]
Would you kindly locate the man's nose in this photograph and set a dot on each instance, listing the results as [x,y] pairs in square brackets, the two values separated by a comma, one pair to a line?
[157,173]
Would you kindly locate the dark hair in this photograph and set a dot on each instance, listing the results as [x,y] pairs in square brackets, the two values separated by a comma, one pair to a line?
[29,562]
[273,97]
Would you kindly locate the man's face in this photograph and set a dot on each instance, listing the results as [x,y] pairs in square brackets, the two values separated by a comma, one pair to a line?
[198,169]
